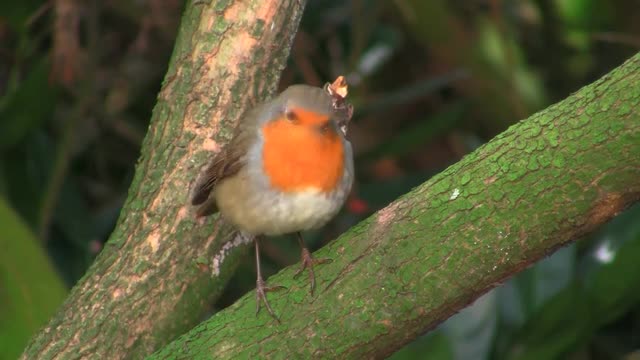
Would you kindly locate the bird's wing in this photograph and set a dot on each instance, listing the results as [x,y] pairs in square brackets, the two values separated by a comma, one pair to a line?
[223,165]
[227,162]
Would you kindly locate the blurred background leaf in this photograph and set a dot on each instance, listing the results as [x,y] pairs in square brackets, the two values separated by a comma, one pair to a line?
[29,105]
[430,81]
[30,289]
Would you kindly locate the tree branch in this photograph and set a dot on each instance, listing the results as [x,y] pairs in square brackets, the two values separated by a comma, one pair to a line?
[153,280]
[541,184]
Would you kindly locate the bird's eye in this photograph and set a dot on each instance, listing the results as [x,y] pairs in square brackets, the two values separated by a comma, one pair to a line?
[324,128]
[291,115]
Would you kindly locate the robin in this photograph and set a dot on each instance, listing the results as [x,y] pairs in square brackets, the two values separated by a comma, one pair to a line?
[287,169]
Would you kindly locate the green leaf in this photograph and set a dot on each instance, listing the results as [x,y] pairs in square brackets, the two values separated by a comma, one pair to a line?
[434,346]
[564,321]
[25,169]
[73,215]
[27,107]
[16,13]
[472,330]
[604,291]
[30,289]
[553,274]
[586,14]
[419,134]
[614,288]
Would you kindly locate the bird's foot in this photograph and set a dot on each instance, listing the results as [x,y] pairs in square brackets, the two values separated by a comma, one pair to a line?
[261,296]
[308,262]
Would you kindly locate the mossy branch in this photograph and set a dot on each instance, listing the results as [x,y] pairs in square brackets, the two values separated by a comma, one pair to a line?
[153,281]
[540,185]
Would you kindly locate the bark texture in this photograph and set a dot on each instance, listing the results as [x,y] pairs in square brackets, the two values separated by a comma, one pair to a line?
[153,281]
[541,184]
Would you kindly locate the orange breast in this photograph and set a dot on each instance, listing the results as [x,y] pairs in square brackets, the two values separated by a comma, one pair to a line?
[297,156]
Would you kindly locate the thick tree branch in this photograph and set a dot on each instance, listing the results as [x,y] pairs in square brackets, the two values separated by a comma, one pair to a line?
[153,280]
[541,184]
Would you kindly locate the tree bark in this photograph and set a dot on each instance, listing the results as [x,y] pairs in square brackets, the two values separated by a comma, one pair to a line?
[543,183]
[153,281]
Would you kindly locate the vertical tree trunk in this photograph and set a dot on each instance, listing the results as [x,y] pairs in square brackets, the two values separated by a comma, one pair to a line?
[155,277]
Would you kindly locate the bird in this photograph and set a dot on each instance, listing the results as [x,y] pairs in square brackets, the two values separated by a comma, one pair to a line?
[288,168]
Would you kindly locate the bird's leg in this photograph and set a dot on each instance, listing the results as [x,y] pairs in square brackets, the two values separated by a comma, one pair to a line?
[308,261]
[261,289]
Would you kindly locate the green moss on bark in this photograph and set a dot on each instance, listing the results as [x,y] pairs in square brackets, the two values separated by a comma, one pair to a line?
[541,184]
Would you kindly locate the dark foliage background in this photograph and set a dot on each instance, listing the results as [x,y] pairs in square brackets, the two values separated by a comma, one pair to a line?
[430,80]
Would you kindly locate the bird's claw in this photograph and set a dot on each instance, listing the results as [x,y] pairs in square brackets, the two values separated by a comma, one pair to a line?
[261,296]
[308,262]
